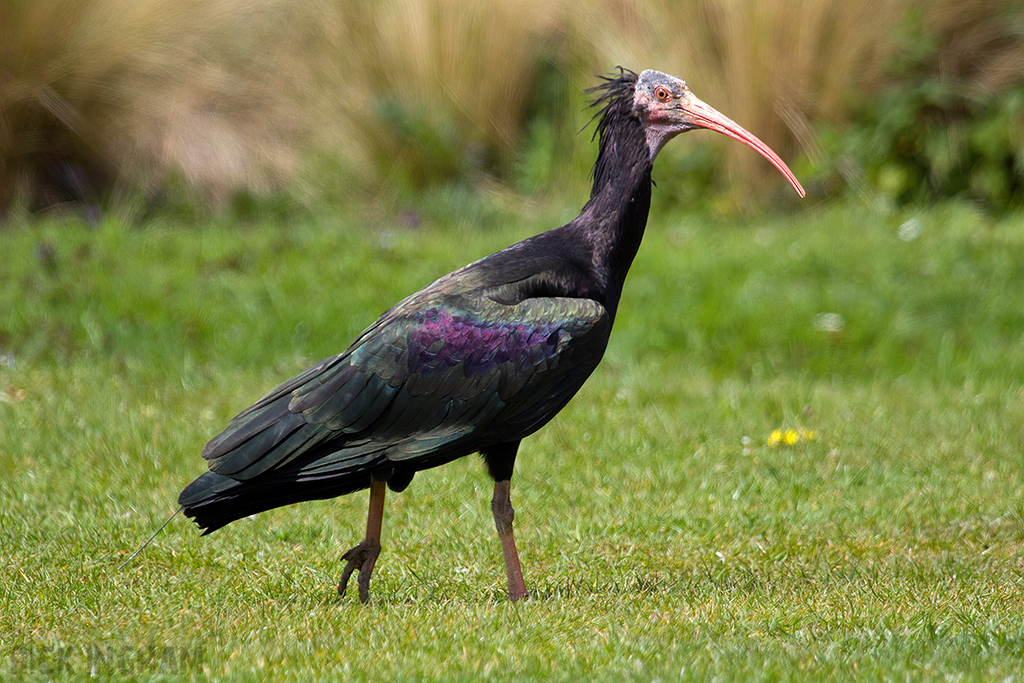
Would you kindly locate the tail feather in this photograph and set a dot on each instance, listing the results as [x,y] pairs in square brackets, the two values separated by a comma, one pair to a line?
[213,500]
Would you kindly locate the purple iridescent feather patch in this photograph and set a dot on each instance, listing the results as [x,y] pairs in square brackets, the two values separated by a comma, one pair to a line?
[441,341]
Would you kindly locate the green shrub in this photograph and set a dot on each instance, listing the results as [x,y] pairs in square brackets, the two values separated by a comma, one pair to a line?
[947,118]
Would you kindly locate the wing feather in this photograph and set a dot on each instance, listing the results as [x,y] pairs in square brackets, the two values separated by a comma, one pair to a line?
[322,397]
[428,379]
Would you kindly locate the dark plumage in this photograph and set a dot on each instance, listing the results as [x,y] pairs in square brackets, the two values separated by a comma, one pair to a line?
[474,362]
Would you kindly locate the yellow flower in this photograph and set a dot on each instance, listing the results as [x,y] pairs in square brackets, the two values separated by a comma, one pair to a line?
[788,437]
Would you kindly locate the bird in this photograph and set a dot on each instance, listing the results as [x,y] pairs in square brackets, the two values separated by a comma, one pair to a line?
[472,363]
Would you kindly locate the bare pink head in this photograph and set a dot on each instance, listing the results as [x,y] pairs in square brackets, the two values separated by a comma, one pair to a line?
[668,107]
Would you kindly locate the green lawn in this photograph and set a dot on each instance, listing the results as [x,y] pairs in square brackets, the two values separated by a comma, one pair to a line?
[662,538]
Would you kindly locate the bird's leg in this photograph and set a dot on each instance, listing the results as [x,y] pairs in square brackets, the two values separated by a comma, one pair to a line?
[364,556]
[501,506]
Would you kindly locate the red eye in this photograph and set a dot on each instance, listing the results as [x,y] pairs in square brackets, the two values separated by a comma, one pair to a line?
[662,93]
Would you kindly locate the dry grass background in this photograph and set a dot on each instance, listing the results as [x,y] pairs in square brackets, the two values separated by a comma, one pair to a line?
[140,89]
[228,95]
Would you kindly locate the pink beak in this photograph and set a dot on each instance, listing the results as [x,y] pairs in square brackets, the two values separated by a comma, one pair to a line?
[706,116]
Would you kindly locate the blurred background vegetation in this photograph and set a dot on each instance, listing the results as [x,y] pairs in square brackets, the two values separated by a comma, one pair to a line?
[236,103]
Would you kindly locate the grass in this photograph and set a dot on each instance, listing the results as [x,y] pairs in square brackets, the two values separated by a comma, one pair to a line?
[663,539]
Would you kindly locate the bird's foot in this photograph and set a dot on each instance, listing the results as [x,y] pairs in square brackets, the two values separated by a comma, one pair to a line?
[361,557]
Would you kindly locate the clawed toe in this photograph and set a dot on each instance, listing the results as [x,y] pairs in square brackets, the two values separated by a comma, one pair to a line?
[362,557]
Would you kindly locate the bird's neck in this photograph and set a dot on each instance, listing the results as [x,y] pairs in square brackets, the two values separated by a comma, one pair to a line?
[614,219]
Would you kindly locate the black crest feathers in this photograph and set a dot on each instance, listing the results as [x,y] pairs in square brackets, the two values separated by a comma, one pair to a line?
[621,145]
[613,97]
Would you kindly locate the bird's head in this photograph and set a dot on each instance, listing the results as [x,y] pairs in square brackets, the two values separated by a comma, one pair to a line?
[667,107]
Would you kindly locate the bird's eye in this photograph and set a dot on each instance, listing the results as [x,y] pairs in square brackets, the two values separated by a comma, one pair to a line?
[662,93]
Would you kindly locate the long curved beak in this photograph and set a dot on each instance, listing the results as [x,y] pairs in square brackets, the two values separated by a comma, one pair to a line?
[705,116]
